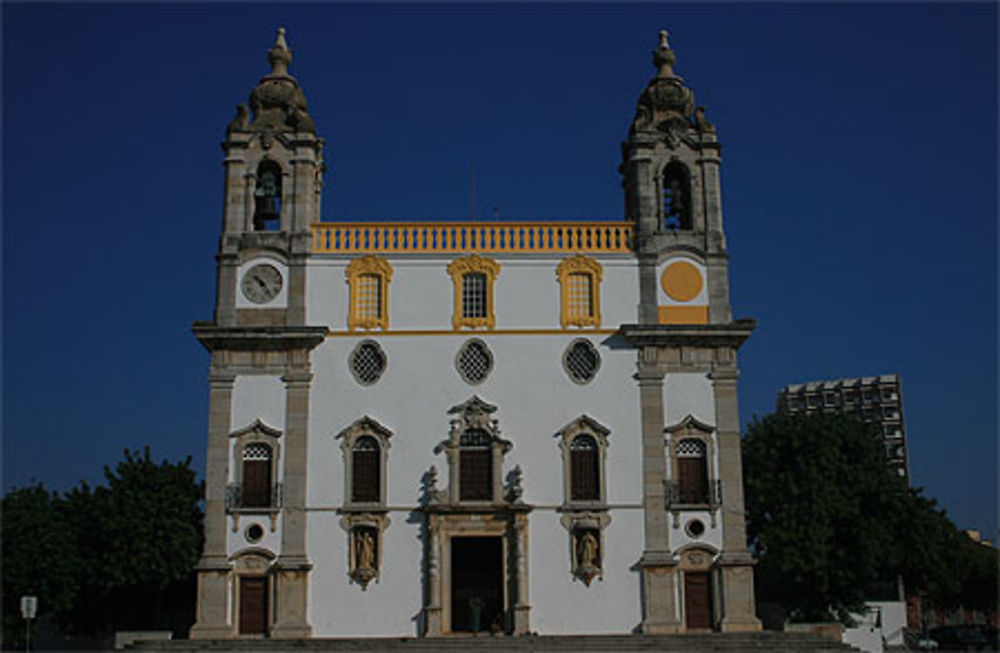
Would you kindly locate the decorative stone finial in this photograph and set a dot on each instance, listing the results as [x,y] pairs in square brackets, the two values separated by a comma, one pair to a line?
[279,56]
[279,42]
[663,57]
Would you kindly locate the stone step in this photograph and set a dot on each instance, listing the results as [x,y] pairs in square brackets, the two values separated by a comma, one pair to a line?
[727,643]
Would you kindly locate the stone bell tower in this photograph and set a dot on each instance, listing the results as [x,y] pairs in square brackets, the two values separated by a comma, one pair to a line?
[687,342]
[259,339]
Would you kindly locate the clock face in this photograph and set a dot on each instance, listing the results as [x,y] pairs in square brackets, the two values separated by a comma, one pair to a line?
[261,283]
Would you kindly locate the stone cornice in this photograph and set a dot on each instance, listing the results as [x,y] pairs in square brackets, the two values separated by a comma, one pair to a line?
[267,338]
[689,335]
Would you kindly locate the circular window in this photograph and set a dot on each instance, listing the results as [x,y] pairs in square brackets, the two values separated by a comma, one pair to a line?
[581,361]
[474,361]
[367,362]
[695,528]
[254,533]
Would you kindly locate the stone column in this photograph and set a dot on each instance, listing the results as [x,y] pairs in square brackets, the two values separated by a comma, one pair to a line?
[213,568]
[293,565]
[735,563]
[522,609]
[658,568]
[432,612]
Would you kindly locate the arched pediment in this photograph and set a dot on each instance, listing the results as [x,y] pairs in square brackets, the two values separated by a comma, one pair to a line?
[690,423]
[258,427]
[365,424]
[581,424]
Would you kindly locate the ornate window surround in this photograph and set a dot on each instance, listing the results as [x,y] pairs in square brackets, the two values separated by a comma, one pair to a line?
[368,265]
[349,436]
[473,414]
[580,264]
[257,432]
[458,269]
[691,428]
[583,425]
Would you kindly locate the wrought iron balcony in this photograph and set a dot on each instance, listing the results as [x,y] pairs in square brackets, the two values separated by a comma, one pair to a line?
[678,496]
[237,499]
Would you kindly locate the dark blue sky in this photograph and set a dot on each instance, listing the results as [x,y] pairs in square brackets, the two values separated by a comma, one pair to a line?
[859,188]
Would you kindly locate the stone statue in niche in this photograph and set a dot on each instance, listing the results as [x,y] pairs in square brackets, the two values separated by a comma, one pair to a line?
[365,556]
[588,556]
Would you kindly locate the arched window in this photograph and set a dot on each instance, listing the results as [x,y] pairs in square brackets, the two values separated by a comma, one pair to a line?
[580,280]
[267,197]
[369,278]
[256,475]
[676,197]
[692,472]
[475,466]
[366,480]
[473,277]
[585,473]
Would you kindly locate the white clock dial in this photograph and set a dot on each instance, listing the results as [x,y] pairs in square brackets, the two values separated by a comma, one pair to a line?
[261,283]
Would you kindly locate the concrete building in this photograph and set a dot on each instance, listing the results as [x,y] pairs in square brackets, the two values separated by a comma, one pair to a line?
[436,428]
[876,400]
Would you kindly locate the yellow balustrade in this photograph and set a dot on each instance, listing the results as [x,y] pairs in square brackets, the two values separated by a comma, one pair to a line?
[452,237]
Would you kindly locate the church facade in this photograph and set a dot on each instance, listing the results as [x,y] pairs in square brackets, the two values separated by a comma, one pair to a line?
[435,429]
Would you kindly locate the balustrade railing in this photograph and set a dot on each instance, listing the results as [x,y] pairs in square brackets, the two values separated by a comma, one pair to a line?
[491,237]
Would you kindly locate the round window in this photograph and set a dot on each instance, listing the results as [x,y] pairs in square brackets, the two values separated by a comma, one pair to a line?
[254,533]
[474,361]
[581,361]
[367,362]
[695,528]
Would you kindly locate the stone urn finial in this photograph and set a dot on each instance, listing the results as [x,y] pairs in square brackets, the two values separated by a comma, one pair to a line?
[663,57]
[279,56]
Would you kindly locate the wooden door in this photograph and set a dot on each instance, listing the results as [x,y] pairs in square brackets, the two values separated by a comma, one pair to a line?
[256,483]
[693,480]
[698,599]
[253,606]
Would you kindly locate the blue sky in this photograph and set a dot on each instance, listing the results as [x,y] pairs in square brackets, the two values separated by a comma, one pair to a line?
[859,190]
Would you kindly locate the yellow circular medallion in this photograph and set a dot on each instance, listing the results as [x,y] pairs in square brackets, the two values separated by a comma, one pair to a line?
[681,281]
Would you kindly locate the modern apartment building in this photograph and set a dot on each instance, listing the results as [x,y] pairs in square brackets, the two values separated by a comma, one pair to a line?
[873,399]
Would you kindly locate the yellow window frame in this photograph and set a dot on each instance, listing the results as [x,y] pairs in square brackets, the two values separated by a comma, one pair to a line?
[470,265]
[358,268]
[579,264]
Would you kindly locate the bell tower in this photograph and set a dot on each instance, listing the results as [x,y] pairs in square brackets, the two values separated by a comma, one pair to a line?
[274,167]
[686,341]
[260,345]
[670,170]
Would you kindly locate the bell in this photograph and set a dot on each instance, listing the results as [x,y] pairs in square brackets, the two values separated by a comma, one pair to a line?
[267,208]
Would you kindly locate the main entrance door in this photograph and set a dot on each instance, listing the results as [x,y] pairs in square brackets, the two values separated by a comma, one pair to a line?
[476,584]
[698,600]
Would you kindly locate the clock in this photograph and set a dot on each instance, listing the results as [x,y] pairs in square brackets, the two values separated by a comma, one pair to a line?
[261,283]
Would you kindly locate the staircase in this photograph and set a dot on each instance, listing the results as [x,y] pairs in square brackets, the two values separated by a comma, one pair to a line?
[729,643]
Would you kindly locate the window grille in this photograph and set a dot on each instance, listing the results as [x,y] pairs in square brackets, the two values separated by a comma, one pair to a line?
[474,361]
[256,451]
[367,362]
[581,295]
[256,475]
[368,304]
[581,361]
[692,472]
[584,470]
[476,466]
[366,477]
[690,449]
[474,294]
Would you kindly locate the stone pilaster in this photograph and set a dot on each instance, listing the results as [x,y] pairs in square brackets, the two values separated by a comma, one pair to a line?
[293,565]
[213,567]
[736,563]
[432,611]
[522,609]
[659,576]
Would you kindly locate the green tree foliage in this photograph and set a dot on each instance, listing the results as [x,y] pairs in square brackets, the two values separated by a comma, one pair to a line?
[833,526]
[131,542]
[39,557]
[819,502]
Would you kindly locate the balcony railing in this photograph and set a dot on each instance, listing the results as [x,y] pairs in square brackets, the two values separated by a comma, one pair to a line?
[237,499]
[490,237]
[680,496]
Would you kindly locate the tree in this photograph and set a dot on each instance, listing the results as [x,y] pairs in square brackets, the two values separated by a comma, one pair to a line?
[118,556]
[39,557]
[822,508]
[140,535]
